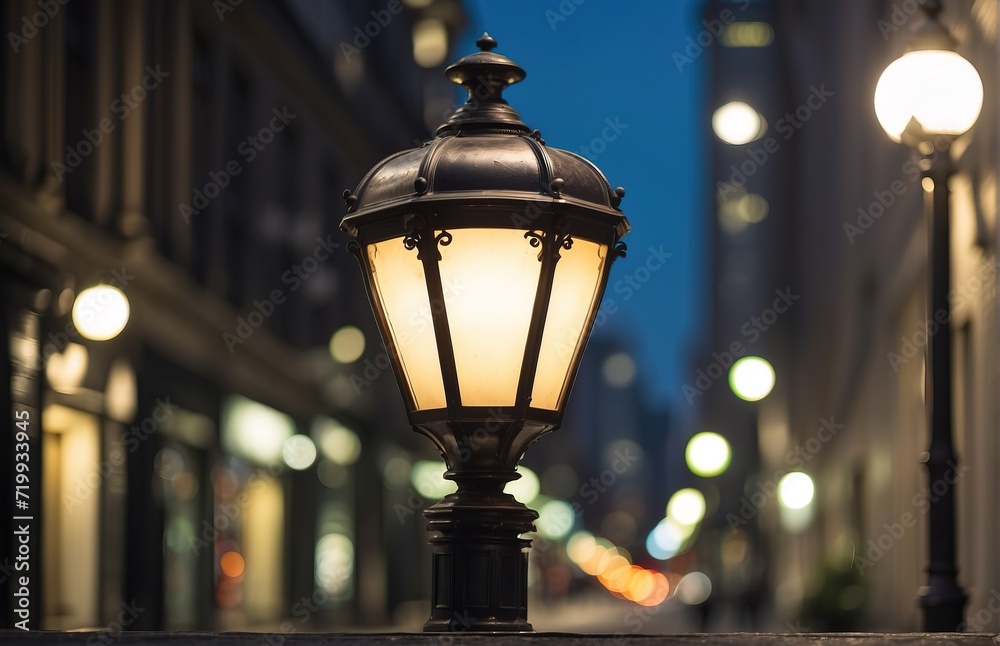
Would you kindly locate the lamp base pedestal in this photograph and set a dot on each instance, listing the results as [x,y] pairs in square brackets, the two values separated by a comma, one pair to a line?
[943,604]
[480,564]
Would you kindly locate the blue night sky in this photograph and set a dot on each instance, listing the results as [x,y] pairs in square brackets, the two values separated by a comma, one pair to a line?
[612,63]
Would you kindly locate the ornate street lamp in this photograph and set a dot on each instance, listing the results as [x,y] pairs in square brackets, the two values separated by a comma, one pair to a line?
[926,99]
[485,254]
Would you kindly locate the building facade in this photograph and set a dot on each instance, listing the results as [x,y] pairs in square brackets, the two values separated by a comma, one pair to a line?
[193,155]
[846,232]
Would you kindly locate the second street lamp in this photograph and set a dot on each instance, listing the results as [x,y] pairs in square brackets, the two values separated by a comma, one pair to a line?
[926,99]
[485,254]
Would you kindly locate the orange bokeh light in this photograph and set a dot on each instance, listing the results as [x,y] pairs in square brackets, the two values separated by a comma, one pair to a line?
[614,570]
[640,586]
[617,576]
[659,592]
[593,564]
[232,564]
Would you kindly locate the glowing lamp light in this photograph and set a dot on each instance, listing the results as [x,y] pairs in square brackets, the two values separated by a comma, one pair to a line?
[686,506]
[525,488]
[298,452]
[737,123]
[338,443]
[618,370]
[232,564]
[694,588]
[707,454]
[67,369]
[347,344]
[747,34]
[751,378]
[668,539]
[101,312]
[430,42]
[334,564]
[427,477]
[925,99]
[934,92]
[485,254]
[795,490]
[555,519]
[254,431]
[581,546]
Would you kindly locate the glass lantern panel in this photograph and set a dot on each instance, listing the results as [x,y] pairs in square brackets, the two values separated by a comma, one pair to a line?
[401,288]
[490,277]
[574,296]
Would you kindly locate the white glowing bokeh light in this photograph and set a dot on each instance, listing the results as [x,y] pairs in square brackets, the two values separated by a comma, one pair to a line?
[738,212]
[396,471]
[795,490]
[100,312]
[254,431]
[338,443]
[748,34]
[120,391]
[526,488]
[555,519]
[737,123]
[667,539]
[794,521]
[707,454]
[347,344]
[618,370]
[581,546]
[334,563]
[430,42]
[66,370]
[938,89]
[751,378]
[298,452]
[427,477]
[686,506]
[694,588]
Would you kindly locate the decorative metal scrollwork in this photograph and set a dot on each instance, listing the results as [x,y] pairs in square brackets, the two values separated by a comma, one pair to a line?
[534,238]
[414,224]
[619,251]
[414,238]
[563,240]
[443,238]
[549,243]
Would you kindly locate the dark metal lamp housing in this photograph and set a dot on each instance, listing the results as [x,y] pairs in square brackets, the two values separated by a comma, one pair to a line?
[485,254]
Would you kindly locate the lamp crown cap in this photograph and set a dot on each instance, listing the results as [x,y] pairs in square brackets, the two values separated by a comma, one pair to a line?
[486,43]
[932,33]
[485,74]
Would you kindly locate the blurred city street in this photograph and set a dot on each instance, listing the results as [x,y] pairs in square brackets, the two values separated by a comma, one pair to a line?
[573,316]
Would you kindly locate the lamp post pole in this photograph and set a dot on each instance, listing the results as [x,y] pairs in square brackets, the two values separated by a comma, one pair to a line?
[942,600]
[925,99]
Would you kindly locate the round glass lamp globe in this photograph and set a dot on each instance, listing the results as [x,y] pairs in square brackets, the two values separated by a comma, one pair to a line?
[938,89]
